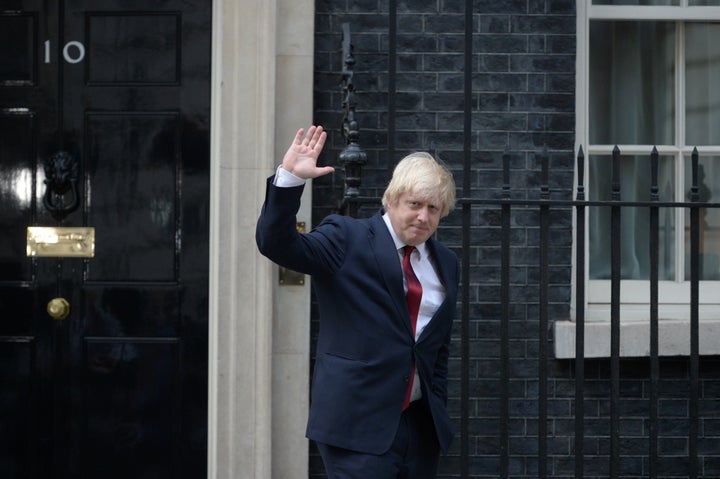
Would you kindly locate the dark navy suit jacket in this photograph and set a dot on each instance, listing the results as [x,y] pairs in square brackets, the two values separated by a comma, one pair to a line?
[365,349]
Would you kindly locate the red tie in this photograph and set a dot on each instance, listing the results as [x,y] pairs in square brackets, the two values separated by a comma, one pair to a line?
[413,296]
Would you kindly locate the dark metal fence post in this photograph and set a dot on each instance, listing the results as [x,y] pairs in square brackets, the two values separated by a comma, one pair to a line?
[466,220]
[352,157]
[654,330]
[580,318]
[616,270]
[694,317]
[505,322]
[543,320]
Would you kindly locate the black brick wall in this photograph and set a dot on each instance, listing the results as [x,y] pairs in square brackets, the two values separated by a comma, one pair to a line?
[523,100]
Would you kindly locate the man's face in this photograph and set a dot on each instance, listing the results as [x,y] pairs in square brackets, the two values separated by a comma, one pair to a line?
[414,219]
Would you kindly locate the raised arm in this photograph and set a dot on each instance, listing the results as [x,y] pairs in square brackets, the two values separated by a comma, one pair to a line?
[276,233]
[301,158]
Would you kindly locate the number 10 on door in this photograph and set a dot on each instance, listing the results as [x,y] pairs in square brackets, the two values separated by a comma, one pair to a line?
[73,51]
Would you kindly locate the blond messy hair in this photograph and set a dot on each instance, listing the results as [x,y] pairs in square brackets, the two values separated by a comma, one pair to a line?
[421,174]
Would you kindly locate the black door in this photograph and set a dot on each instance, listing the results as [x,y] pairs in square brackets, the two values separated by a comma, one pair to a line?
[116,92]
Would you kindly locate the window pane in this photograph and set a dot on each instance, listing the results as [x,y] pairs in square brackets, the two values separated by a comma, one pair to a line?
[636,2]
[694,3]
[632,78]
[708,188]
[635,181]
[702,71]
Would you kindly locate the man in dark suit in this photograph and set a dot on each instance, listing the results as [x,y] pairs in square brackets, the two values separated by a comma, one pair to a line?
[386,292]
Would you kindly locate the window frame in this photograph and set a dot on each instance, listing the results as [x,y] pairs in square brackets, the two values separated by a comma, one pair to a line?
[635,295]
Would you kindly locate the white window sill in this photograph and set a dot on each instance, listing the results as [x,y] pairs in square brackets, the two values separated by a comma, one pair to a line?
[673,338]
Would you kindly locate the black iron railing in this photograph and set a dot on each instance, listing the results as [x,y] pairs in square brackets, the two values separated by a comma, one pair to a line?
[545,207]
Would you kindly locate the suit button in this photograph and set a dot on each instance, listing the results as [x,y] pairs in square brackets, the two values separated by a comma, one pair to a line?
[406,379]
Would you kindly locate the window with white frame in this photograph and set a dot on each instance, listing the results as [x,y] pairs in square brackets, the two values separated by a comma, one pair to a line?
[649,75]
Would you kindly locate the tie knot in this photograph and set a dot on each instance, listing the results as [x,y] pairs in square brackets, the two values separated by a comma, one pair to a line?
[408,250]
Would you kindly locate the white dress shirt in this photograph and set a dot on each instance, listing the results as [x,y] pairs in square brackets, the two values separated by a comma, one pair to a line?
[433,291]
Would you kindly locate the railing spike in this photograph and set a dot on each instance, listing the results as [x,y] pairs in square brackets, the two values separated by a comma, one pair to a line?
[615,173]
[694,189]
[580,195]
[654,174]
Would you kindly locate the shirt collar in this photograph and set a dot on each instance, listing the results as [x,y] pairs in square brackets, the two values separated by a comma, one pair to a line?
[421,248]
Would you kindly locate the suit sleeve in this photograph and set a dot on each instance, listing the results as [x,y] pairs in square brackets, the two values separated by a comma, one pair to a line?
[319,252]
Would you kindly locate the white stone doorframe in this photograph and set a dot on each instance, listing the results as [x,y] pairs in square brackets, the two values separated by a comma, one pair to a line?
[262,86]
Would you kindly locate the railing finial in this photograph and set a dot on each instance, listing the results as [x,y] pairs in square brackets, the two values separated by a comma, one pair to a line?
[580,174]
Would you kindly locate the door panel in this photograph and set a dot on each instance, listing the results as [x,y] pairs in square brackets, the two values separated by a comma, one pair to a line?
[132,408]
[132,162]
[118,388]
[119,41]
[18,31]
[16,431]
[16,191]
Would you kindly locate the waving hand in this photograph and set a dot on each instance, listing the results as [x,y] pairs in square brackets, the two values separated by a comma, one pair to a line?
[301,157]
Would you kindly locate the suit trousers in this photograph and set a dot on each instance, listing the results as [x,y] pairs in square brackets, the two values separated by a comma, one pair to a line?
[414,453]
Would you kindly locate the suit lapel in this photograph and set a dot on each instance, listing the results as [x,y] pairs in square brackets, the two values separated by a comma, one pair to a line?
[444,271]
[441,265]
[389,265]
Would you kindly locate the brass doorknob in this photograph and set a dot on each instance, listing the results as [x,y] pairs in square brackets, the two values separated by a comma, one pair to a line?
[58,308]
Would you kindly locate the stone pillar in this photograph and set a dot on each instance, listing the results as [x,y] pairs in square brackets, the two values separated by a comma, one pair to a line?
[291,319]
[259,331]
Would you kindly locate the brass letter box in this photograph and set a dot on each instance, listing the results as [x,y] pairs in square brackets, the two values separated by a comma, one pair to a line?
[48,241]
